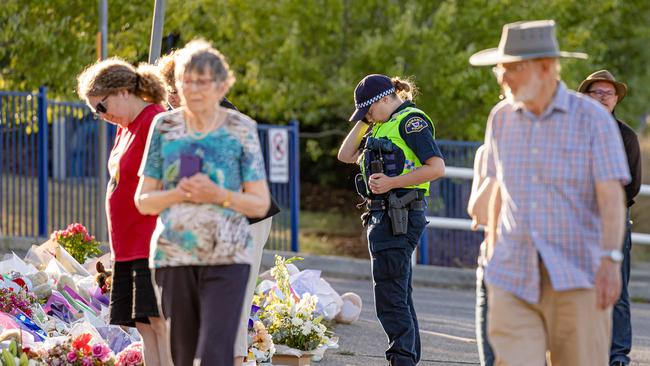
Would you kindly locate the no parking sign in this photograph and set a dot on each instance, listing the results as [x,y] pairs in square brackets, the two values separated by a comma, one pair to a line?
[278,155]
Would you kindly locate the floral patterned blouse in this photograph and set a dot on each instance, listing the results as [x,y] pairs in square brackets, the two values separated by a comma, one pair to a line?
[202,234]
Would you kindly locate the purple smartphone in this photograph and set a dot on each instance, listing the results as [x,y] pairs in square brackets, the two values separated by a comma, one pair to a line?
[190,165]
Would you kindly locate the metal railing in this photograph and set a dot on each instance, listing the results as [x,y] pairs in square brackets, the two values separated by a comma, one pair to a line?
[50,163]
[465,224]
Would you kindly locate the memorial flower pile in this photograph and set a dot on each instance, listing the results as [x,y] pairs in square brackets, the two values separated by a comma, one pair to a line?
[289,318]
[76,240]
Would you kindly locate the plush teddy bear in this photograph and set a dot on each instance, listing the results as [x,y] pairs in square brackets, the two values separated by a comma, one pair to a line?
[351,308]
[104,278]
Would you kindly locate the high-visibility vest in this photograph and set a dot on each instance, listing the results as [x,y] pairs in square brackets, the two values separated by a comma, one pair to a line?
[390,131]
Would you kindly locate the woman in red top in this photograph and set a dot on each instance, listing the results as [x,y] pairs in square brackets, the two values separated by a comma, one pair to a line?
[129,98]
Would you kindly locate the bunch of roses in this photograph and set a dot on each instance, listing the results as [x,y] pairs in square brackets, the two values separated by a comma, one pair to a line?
[131,355]
[11,301]
[76,241]
[79,352]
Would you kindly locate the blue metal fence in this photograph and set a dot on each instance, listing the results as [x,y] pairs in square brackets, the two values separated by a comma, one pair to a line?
[49,168]
[448,198]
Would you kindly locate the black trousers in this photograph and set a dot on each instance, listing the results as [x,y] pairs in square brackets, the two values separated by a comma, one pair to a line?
[392,276]
[202,306]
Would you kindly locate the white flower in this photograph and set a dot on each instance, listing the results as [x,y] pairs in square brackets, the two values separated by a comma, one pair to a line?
[296,321]
[306,328]
[320,329]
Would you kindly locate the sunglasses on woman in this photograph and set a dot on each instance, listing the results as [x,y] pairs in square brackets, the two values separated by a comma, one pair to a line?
[101,107]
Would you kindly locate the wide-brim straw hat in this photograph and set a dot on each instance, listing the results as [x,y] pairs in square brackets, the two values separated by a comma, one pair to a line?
[524,41]
[604,75]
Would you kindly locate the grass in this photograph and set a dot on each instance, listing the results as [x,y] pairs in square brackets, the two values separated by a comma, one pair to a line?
[331,234]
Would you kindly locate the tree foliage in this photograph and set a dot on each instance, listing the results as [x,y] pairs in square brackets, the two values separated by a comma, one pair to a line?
[302,59]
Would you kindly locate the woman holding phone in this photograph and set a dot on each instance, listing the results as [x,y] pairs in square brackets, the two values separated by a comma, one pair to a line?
[203,174]
[130,98]
[260,227]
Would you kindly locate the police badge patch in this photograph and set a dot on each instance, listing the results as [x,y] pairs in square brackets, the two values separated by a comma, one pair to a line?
[415,124]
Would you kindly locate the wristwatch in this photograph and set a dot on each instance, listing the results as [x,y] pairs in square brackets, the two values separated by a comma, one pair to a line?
[614,255]
[227,202]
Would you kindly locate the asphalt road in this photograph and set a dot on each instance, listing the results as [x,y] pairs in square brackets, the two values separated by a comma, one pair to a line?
[446,320]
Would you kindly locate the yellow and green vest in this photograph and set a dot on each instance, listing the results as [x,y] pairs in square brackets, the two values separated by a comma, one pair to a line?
[390,130]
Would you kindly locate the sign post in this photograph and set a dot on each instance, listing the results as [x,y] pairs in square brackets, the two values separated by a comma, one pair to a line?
[278,155]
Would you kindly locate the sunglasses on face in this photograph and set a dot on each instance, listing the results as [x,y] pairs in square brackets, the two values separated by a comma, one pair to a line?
[101,107]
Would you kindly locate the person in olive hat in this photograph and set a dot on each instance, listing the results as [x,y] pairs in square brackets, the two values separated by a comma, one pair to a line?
[393,142]
[554,272]
[603,87]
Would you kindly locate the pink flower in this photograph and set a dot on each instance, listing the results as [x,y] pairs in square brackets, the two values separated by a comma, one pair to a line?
[131,356]
[72,356]
[77,228]
[134,357]
[101,351]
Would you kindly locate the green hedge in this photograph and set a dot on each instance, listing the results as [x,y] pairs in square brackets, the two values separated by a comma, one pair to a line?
[302,58]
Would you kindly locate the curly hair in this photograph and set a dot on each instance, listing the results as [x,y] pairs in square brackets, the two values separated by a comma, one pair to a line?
[405,88]
[109,76]
[166,65]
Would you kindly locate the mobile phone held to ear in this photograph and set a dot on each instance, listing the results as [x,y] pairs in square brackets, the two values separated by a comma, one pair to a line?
[190,165]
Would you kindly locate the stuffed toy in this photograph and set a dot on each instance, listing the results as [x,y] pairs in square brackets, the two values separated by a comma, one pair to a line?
[351,308]
[104,278]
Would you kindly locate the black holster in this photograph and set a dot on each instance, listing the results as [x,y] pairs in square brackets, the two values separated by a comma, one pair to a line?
[398,209]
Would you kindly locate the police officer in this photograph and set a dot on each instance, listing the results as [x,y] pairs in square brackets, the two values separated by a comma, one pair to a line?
[393,142]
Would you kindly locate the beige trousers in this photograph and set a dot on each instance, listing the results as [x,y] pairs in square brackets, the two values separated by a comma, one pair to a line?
[564,329]
[260,231]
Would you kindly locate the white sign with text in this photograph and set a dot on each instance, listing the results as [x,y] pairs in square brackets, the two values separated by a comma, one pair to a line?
[278,155]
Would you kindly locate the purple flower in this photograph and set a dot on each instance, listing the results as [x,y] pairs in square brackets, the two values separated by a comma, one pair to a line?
[101,351]
[86,361]
[72,356]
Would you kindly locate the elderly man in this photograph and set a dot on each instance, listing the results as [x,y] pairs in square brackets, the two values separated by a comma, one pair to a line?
[559,167]
[602,86]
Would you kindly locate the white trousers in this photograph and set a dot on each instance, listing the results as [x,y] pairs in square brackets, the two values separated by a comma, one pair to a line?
[260,231]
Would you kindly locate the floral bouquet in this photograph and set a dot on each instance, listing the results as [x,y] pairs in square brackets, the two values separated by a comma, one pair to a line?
[131,355]
[11,301]
[289,318]
[261,347]
[78,352]
[77,242]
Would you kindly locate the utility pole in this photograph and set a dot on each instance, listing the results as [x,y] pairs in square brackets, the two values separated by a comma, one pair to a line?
[156,30]
[102,232]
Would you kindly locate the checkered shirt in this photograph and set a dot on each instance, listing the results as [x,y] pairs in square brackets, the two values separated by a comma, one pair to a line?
[548,167]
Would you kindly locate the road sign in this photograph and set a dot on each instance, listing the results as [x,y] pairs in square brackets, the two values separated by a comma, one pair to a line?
[278,155]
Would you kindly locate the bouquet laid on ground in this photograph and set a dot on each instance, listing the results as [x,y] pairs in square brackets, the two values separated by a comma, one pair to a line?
[77,242]
[287,317]
[11,301]
[79,352]
[261,347]
[131,355]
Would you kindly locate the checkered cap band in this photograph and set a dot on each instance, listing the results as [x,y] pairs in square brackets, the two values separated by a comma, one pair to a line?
[375,98]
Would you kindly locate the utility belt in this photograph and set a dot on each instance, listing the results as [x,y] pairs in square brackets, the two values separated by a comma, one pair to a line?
[398,208]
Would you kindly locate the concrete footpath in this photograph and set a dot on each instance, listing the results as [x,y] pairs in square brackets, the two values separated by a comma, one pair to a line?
[423,275]
[352,268]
